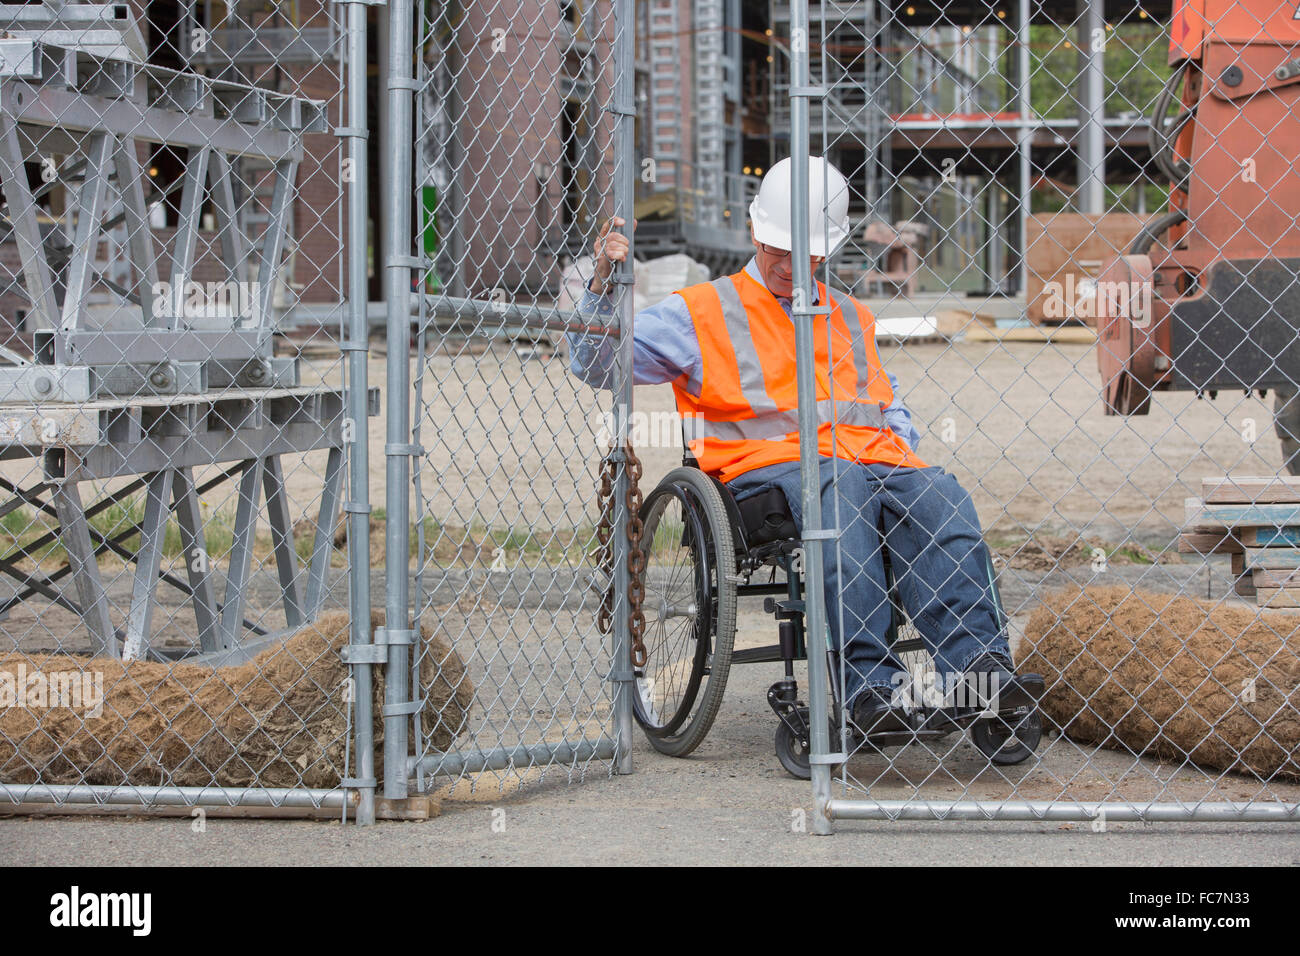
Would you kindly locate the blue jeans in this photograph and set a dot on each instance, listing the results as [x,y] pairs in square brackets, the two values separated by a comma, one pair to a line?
[937,553]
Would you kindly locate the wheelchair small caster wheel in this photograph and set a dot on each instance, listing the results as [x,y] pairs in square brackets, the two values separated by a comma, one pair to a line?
[793,751]
[1006,740]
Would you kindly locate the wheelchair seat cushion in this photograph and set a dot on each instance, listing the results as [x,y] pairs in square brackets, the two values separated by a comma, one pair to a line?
[766,517]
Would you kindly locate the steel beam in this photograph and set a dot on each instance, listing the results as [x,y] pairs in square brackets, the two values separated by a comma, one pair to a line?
[91,203]
[274,237]
[323,543]
[71,112]
[241,551]
[74,535]
[193,193]
[130,178]
[147,565]
[26,227]
[229,235]
[103,347]
[198,563]
[286,556]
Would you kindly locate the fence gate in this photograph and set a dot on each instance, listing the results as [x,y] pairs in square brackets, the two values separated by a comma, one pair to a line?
[1076,235]
[521,119]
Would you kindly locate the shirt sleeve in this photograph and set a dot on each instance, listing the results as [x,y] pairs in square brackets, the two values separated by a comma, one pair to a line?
[665,347]
[899,418]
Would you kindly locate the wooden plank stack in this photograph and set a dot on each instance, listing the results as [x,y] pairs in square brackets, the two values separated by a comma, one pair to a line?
[1257,521]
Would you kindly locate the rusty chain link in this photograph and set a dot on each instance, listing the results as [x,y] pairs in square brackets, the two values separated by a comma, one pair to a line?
[635,556]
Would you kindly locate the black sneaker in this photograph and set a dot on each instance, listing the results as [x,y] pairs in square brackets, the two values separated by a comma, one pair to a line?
[873,714]
[990,683]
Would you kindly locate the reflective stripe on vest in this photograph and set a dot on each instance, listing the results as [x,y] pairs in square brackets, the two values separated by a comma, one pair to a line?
[752,385]
[767,421]
[776,424]
[860,361]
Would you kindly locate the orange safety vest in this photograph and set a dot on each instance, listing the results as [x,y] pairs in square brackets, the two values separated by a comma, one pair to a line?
[746,415]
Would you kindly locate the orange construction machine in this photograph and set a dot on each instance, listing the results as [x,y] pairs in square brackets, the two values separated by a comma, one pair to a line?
[1208,297]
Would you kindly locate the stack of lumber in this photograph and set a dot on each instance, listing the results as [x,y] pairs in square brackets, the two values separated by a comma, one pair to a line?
[1257,521]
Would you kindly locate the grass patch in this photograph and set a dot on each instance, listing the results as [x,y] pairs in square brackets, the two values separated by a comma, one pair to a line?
[21,528]
[1132,554]
[480,546]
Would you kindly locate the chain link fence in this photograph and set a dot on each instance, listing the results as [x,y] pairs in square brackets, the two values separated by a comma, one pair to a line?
[1073,237]
[174,420]
[522,117]
[1064,588]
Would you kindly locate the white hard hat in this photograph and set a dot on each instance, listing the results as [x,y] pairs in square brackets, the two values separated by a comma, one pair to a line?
[828,207]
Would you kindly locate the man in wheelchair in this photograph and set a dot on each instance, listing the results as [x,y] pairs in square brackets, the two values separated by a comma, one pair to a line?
[728,348]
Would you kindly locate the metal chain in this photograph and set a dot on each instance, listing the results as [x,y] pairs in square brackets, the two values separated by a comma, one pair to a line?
[635,556]
[635,560]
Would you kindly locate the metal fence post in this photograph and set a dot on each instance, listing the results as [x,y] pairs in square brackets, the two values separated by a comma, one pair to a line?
[1025,139]
[1092,109]
[397,447]
[356,348]
[624,110]
[809,464]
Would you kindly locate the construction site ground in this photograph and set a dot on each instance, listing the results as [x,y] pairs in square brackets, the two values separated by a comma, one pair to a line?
[1021,425]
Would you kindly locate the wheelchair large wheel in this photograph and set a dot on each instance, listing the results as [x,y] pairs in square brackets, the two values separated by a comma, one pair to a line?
[690,611]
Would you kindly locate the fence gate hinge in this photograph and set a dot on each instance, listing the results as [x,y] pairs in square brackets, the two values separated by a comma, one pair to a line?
[400,450]
[401,710]
[363,654]
[388,635]
[831,759]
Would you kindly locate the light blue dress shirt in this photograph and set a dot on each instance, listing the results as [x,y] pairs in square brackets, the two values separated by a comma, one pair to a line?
[664,347]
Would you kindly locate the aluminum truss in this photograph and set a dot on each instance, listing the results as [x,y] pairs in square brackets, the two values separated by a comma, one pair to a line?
[170,400]
[60,101]
[161,443]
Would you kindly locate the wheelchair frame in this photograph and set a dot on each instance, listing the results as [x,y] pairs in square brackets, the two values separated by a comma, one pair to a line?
[776,544]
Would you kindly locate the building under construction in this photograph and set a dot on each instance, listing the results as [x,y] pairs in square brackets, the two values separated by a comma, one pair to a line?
[944,145]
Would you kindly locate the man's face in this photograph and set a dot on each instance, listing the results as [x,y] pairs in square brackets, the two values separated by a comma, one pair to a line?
[777,268]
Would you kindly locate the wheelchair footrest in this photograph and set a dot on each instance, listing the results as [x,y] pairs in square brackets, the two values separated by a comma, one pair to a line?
[927,724]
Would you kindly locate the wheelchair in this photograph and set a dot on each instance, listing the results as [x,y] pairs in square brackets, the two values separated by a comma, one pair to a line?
[704,551]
